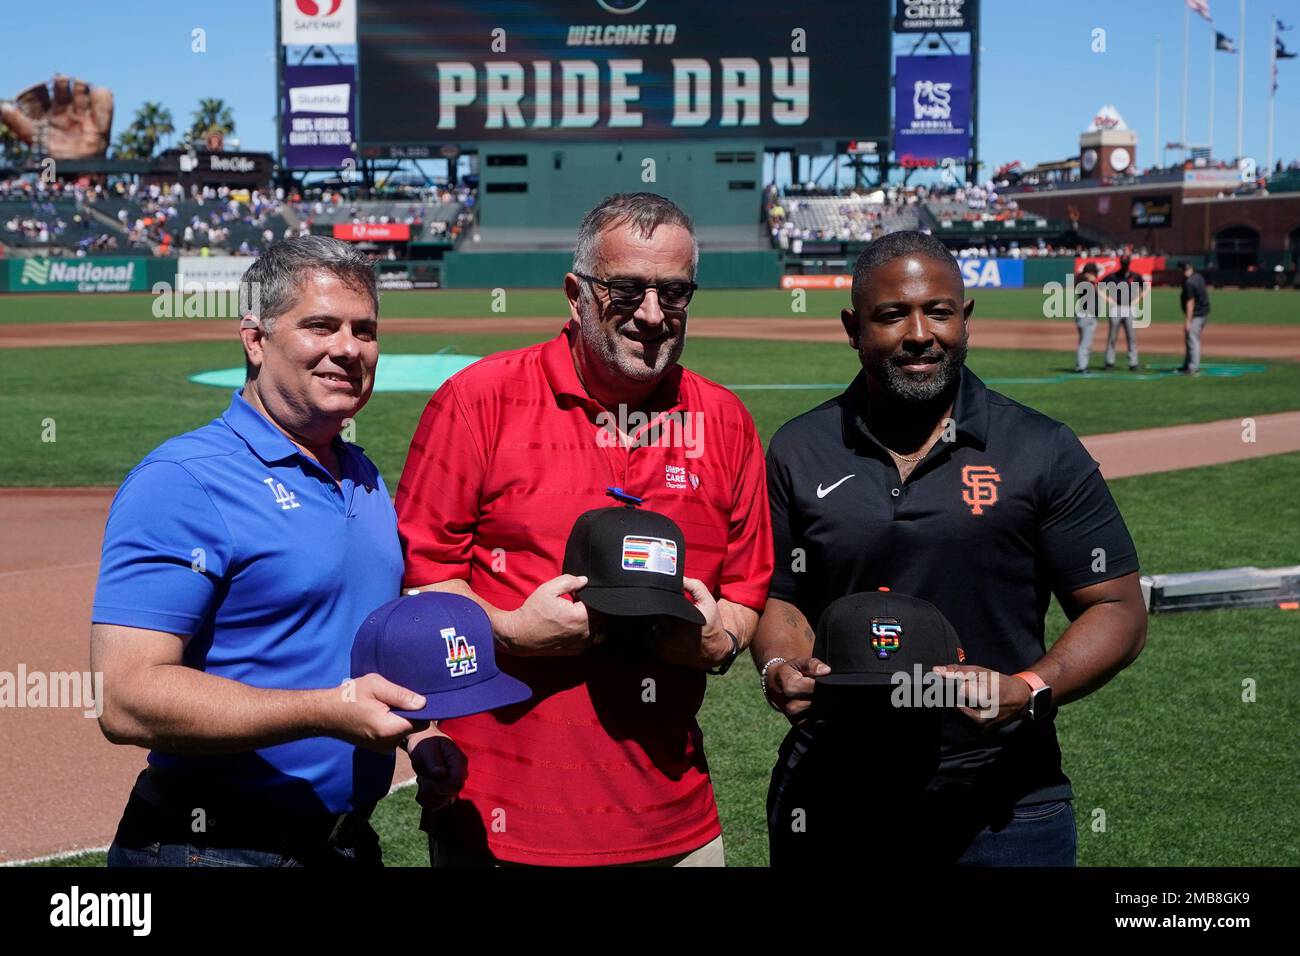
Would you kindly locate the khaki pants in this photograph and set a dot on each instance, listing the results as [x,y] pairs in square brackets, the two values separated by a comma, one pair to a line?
[444,854]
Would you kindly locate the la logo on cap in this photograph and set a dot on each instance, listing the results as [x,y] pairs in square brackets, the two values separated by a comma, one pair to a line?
[462,658]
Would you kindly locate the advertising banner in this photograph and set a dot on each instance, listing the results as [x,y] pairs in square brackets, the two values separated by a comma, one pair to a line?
[211,272]
[77,275]
[1152,212]
[992,273]
[318,114]
[372,231]
[1142,265]
[928,16]
[318,21]
[975,274]
[932,108]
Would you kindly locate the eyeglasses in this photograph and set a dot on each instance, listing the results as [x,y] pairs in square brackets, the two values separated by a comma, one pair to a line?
[626,295]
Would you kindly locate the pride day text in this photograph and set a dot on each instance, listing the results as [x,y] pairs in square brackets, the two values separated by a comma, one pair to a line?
[573,94]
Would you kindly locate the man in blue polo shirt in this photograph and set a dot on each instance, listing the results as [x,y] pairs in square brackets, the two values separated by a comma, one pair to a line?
[239,560]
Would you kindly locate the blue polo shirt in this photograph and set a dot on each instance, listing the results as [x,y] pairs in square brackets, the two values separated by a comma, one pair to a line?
[232,538]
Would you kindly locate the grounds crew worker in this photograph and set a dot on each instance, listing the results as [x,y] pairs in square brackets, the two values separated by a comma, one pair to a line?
[921,479]
[1195,300]
[239,560]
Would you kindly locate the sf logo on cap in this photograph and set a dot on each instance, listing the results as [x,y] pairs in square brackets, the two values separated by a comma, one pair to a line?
[886,636]
[462,659]
[981,483]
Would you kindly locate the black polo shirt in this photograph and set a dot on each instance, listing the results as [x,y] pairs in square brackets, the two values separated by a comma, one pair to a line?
[987,527]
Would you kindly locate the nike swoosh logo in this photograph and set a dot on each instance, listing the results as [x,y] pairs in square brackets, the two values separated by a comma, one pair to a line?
[823,492]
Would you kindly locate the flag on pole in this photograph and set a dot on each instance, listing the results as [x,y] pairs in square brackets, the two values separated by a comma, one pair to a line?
[1201,7]
[1224,43]
[1281,26]
[1282,52]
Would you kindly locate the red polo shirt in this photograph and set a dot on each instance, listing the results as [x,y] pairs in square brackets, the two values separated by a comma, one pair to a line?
[599,767]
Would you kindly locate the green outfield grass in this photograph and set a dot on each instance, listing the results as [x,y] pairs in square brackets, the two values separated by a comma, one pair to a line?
[111,405]
[1229,305]
[1185,771]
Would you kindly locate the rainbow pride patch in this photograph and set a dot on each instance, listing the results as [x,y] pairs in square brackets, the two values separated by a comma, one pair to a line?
[657,555]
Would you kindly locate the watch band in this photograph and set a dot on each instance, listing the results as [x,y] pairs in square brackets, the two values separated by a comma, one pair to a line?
[1033,680]
[735,652]
[1037,687]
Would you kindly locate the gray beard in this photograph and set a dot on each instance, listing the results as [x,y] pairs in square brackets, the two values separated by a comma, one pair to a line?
[600,340]
[907,388]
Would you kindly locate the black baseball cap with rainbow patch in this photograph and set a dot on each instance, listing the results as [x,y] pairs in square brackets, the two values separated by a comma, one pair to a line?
[633,560]
[868,637]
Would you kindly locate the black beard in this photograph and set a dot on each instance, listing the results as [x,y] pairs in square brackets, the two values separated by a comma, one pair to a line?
[917,389]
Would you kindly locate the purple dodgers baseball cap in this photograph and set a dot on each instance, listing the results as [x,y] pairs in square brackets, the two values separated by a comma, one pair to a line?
[439,645]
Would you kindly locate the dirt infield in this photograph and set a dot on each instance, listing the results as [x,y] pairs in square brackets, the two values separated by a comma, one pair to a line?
[65,786]
[1245,341]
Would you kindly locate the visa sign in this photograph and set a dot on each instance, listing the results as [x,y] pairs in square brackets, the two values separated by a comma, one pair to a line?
[992,273]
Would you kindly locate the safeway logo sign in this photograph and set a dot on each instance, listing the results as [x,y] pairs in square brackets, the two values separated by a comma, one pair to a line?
[318,21]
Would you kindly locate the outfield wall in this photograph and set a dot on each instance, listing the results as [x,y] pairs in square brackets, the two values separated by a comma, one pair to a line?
[751,269]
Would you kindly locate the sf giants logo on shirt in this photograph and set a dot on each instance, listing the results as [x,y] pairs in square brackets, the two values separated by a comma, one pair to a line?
[981,483]
[462,659]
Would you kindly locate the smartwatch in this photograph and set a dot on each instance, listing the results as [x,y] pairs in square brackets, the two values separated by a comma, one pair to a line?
[1039,707]
[731,659]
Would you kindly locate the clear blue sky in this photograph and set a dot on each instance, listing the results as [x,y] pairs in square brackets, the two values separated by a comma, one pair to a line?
[1040,81]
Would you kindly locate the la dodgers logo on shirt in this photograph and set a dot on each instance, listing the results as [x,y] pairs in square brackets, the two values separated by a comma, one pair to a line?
[286,499]
[462,658]
[657,555]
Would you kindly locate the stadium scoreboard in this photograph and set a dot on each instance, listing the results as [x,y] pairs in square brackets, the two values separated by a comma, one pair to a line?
[436,74]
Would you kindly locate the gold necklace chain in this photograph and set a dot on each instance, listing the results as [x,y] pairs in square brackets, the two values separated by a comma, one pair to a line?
[905,458]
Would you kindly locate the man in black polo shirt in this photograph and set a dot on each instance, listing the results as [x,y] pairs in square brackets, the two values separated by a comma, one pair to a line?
[921,479]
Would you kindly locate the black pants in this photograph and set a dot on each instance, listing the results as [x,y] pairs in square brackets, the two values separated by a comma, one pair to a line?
[168,823]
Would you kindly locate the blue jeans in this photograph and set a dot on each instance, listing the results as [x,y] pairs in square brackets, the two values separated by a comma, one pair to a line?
[1040,834]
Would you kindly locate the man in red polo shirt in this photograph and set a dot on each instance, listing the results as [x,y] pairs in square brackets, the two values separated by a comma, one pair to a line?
[604,765]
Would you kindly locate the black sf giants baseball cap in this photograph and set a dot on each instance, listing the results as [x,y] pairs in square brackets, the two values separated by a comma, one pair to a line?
[868,637]
[633,560]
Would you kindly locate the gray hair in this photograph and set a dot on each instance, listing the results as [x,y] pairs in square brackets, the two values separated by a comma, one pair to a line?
[644,212]
[275,279]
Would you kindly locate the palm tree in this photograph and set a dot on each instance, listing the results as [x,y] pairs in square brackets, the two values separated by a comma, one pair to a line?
[152,122]
[128,145]
[13,148]
[212,115]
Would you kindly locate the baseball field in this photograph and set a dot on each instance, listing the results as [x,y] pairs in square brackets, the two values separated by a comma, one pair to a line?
[1187,758]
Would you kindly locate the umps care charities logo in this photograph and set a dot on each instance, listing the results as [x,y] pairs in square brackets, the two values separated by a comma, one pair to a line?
[462,658]
[74,909]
